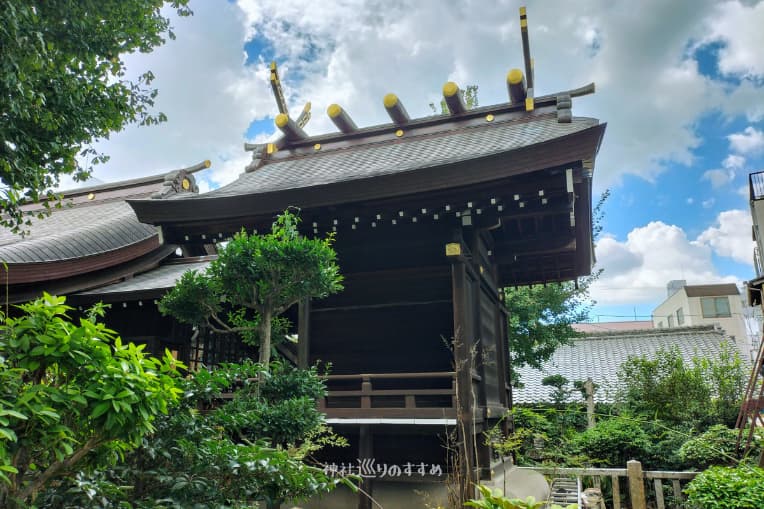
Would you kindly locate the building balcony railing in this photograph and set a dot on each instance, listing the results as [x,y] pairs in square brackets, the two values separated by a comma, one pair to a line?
[391,395]
[757,262]
[756,185]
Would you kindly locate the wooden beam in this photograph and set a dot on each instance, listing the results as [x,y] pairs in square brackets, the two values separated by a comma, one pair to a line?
[365,451]
[463,368]
[303,334]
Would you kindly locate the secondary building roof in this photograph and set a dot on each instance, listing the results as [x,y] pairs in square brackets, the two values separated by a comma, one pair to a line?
[599,356]
[591,327]
[711,290]
[89,238]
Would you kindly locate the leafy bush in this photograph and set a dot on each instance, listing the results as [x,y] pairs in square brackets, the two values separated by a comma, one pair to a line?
[727,488]
[495,499]
[613,442]
[220,457]
[716,446]
[69,389]
[285,381]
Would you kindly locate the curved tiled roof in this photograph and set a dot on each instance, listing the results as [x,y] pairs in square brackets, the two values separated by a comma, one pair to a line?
[90,230]
[396,155]
[75,232]
[600,355]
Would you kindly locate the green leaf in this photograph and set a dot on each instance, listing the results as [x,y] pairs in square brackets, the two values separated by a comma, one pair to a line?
[100,409]
[8,434]
[13,413]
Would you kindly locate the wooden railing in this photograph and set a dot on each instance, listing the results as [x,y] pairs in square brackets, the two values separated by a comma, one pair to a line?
[390,395]
[634,476]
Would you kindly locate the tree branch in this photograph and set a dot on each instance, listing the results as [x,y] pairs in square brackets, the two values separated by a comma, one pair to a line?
[225,328]
[30,491]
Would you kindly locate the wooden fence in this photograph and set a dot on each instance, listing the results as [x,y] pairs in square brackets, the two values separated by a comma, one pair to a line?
[635,479]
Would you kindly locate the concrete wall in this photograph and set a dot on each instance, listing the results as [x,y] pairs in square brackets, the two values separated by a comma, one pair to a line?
[757,211]
[669,307]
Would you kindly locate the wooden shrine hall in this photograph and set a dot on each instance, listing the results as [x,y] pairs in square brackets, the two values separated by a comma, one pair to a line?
[432,217]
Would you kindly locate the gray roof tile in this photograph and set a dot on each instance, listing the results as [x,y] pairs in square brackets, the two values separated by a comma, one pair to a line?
[398,155]
[75,232]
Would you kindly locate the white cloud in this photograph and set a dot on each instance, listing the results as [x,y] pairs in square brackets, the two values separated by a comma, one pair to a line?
[746,100]
[739,27]
[731,236]
[718,178]
[690,201]
[649,88]
[637,269]
[733,162]
[707,204]
[208,94]
[749,141]
[353,52]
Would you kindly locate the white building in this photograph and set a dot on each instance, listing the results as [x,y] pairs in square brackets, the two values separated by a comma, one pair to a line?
[715,304]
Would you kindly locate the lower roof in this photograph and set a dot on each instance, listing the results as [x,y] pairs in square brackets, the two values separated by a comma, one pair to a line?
[150,283]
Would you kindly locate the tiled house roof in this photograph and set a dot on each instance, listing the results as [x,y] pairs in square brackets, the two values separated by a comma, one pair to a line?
[599,356]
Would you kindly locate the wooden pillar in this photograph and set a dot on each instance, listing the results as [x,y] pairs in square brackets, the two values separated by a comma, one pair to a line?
[463,367]
[636,484]
[303,334]
[589,387]
[502,361]
[365,451]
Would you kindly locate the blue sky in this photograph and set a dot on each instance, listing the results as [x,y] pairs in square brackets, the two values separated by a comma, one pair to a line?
[680,84]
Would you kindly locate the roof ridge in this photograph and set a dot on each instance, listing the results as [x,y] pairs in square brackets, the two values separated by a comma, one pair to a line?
[649,332]
[124,184]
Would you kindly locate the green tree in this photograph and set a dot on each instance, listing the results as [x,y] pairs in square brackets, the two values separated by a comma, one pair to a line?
[256,278]
[698,393]
[541,318]
[66,390]
[561,391]
[63,85]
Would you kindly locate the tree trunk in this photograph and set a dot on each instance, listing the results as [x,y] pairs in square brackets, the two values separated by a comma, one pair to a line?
[265,338]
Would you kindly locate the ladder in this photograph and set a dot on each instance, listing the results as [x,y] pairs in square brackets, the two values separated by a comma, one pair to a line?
[565,490]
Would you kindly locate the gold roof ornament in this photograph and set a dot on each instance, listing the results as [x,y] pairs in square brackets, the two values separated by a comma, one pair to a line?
[454,98]
[395,109]
[520,81]
[341,118]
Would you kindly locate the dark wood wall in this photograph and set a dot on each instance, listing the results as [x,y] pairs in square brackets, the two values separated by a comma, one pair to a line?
[395,314]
